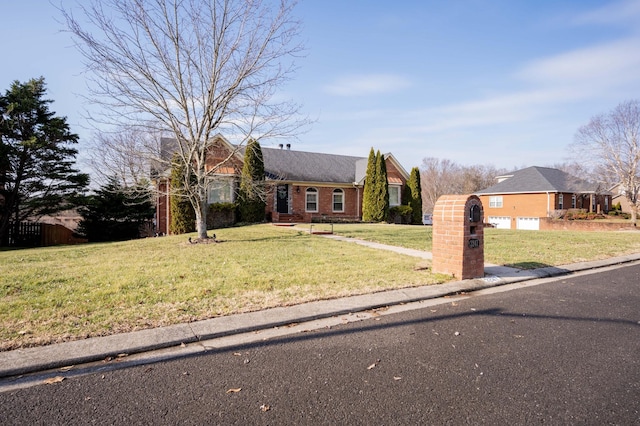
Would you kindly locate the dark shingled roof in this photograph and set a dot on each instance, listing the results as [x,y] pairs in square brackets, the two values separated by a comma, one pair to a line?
[303,166]
[540,179]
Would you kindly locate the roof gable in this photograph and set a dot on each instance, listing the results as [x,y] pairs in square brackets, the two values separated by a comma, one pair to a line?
[540,179]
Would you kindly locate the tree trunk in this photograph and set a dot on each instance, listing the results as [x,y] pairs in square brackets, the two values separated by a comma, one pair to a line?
[201,220]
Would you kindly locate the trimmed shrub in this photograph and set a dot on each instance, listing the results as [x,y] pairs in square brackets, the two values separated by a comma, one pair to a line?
[251,205]
[183,217]
[401,214]
[221,215]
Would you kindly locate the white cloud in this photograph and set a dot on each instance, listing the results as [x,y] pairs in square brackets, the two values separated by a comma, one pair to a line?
[593,68]
[612,13]
[360,85]
[608,70]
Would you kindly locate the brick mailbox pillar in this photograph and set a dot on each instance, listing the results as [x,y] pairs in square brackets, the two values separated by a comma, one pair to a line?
[458,236]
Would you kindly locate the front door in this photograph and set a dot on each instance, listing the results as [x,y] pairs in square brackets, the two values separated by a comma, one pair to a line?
[282,198]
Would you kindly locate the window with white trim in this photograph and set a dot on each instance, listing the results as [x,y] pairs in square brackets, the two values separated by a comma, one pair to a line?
[394,195]
[573,201]
[220,190]
[560,201]
[311,204]
[338,200]
[495,201]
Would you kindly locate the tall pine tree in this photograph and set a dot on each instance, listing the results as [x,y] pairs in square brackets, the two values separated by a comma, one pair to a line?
[183,217]
[415,194]
[382,190]
[37,170]
[115,213]
[368,196]
[251,196]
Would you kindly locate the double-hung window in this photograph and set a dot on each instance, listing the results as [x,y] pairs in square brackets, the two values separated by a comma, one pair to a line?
[311,204]
[220,190]
[394,195]
[495,201]
[338,200]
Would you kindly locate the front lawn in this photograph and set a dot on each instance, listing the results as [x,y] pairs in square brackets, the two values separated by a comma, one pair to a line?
[62,293]
[68,292]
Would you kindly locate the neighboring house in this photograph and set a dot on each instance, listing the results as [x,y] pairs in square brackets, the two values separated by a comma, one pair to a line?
[302,186]
[619,196]
[521,198]
[70,219]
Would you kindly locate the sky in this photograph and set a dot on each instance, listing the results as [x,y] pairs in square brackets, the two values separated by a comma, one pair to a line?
[505,83]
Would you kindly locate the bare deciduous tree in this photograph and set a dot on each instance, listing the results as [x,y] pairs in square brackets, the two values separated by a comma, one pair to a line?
[439,177]
[123,155]
[611,143]
[191,69]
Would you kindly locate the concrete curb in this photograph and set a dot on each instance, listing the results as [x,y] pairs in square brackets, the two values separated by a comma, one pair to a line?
[30,360]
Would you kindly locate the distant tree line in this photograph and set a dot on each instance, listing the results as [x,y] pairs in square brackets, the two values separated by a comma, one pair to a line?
[442,176]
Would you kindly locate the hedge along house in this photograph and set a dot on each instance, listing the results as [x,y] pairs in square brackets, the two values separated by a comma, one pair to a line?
[301,186]
[521,198]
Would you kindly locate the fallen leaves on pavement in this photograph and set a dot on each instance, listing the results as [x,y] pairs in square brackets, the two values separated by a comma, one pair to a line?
[53,380]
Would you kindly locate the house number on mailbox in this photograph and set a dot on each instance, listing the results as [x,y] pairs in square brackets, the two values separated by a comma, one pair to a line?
[474,243]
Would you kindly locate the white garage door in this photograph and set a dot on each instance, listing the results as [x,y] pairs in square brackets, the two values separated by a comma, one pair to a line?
[530,223]
[500,222]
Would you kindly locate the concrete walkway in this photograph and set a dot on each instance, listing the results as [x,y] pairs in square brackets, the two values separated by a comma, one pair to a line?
[409,252]
[37,359]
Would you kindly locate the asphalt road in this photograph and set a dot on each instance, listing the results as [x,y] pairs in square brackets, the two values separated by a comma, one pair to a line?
[563,352]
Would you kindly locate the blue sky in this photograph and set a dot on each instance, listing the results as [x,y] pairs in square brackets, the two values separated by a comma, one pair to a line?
[504,83]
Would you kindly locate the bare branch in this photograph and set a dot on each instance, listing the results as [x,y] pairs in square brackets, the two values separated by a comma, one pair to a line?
[611,144]
[192,69]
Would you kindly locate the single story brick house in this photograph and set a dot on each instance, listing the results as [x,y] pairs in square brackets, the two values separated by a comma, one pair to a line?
[302,186]
[521,198]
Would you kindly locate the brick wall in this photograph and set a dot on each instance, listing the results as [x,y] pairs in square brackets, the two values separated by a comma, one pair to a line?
[352,199]
[163,213]
[549,224]
[452,233]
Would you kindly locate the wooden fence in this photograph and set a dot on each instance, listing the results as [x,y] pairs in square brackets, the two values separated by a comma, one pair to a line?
[32,234]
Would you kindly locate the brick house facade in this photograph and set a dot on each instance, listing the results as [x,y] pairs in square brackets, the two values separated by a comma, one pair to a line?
[301,186]
[520,199]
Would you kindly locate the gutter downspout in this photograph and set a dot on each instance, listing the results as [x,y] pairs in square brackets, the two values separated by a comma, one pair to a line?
[168,208]
[548,203]
[355,185]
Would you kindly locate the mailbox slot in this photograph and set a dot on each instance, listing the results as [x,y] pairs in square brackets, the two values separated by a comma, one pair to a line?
[474,213]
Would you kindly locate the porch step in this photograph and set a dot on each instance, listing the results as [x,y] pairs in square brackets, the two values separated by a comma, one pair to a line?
[289,218]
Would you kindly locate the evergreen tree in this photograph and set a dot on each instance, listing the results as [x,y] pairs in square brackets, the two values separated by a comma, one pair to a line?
[251,204]
[183,217]
[381,190]
[368,203]
[415,195]
[115,213]
[37,174]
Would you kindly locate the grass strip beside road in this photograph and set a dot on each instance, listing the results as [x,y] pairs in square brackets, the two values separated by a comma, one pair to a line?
[55,294]
[509,247]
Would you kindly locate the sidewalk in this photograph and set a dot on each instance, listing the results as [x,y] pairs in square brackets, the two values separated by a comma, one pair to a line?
[30,360]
